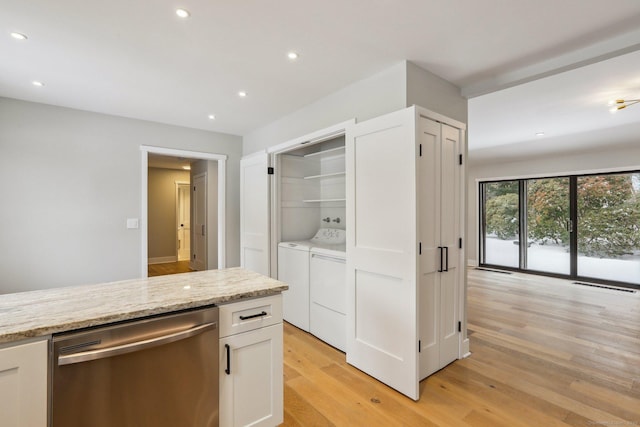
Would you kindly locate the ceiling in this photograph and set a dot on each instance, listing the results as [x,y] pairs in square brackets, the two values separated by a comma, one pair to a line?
[519,62]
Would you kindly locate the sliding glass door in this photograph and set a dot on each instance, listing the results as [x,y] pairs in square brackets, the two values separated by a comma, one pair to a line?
[548,224]
[608,227]
[582,227]
[501,223]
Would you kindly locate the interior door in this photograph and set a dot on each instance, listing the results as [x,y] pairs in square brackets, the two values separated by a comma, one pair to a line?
[449,240]
[184,221]
[439,210]
[381,250]
[199,232]
[429,176]
[254,213]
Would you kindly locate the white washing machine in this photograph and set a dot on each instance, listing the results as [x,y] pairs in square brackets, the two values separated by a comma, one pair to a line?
[328,292]
[293,269]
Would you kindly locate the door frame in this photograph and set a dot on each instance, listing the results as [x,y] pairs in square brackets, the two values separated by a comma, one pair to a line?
[144,191]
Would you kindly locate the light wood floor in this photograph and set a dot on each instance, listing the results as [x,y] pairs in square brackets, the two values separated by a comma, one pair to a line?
[168,268]
[544,353]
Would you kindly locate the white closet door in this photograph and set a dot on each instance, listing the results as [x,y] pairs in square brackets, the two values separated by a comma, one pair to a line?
[381,250]
[449,235]
[429,232]
[439,210]
[254,213]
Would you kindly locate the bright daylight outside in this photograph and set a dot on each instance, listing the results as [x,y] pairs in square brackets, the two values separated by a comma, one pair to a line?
[608,225]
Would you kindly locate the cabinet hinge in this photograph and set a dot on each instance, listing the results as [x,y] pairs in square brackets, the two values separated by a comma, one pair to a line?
[419,346]
[269,170]
[460,243]
[420,248]
[459,326]
[194,256]
[460,158]
[420,150]
[194,188]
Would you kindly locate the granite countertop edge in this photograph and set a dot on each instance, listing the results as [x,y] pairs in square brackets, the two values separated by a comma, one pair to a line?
[28,320]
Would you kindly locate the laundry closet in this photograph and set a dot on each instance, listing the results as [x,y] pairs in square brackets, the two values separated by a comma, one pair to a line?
[366,224]
[311,254]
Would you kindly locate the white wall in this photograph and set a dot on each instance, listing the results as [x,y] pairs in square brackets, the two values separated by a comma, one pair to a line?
[69,179]
[434,93]
[603,159]
[161,214]
[399,86]
[367,98]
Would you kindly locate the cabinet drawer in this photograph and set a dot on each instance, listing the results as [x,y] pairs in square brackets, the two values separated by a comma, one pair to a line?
[251,314]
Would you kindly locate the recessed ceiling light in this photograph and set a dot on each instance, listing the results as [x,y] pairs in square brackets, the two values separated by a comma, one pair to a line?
[37,83]
[183,13]
[242,94]
[19,36]
[292,56]
[212,116]
[539,133]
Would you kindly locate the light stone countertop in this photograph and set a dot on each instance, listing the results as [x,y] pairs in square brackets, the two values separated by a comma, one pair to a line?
[44,312]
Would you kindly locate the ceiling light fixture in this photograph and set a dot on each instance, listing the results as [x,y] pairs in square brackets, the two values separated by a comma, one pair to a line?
[19,36]
[539,133]
[211,116]
[37,83]
[292,56]
[183,13]
[242,94]
[619,104]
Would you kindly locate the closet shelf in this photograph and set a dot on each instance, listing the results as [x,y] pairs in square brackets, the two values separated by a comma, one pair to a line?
[333,152]
[326,175]
[324,200]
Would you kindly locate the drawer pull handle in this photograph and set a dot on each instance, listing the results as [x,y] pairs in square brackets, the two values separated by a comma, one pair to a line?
[263,313]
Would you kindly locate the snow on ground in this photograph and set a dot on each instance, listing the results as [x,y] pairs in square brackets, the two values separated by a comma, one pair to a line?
[555,259]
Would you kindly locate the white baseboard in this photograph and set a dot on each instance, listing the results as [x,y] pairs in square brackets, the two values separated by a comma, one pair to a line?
[162,259]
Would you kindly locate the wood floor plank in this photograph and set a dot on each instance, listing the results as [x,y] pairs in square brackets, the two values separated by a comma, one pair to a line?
[544,353]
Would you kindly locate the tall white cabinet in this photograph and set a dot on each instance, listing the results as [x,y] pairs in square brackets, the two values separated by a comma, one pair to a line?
[405,262]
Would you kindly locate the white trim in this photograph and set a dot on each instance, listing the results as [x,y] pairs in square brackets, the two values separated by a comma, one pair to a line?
[423,112]
[222,197]
[313,137]
[472,263]
[182,153]
[162,259]
[625,169]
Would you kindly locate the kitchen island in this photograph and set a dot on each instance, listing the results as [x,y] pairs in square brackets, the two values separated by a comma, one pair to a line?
[28,320]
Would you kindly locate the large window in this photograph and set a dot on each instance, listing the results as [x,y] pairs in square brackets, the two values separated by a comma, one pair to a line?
[582,227]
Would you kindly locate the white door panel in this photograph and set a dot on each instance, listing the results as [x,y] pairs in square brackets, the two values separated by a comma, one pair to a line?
[381,250]
[254,214]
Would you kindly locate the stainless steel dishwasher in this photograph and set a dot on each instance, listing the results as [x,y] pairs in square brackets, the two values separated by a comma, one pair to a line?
[159,371]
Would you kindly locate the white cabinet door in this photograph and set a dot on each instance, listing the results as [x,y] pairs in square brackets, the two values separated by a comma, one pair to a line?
[251,382]
[439,210]
[23,385]
[254,213]
[381,250]
[449,240]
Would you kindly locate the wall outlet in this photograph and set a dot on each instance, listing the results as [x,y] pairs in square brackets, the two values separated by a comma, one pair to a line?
[133,223]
